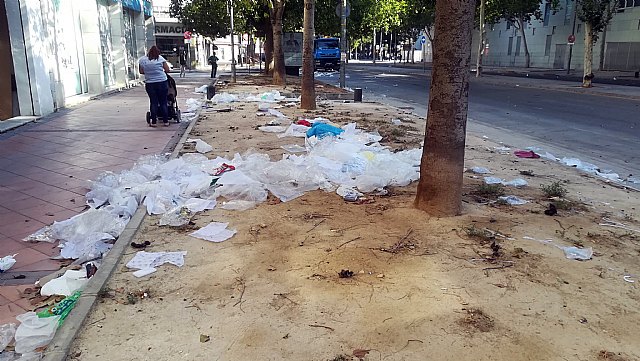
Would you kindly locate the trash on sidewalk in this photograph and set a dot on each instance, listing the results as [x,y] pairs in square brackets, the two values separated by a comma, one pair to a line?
[222,98]
[276,113]
[62,308]
[193,105]
[201,145]
[267,97]
[552,210]
[580,254]
[201,89]
[214,232]
[295,130]
[502,150]
[34,332]
[146,261]
[513,200]
[44,234]
[304,122]
[177,217]
[526,154]
[480,170]
[518,182]
[7,331]
[7,262]
[141,245]
[223,169]
[272,128]
[294,148]
[396,121]
[65,285]
[321,130]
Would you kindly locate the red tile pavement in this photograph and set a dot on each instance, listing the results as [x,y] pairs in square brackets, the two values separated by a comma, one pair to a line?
[45,169]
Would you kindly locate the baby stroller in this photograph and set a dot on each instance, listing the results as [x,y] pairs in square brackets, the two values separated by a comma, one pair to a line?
[172,102]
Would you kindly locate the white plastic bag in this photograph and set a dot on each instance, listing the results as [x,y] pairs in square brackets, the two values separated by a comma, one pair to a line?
[480,170]
[86,247]
[580,254]
[7,332]
[201,89]
[201,145]
[513,200]
[34,332]
[65,285]
[222,98]
[272,128]
[214,232]
[7,262]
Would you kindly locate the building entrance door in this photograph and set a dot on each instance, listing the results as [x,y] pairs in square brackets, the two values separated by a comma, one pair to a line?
[8,93]
[561,56]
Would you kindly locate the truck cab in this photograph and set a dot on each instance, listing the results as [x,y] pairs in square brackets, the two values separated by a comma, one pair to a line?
[327,53]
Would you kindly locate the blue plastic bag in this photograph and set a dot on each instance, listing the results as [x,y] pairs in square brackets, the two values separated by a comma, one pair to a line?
[321,130]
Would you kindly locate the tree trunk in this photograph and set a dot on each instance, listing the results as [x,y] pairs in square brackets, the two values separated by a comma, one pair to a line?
[279,71]
[527,56]
[373,51]
[480,41]
[308,94]
[440,186]
[603,41]
[268,50]
[588,56]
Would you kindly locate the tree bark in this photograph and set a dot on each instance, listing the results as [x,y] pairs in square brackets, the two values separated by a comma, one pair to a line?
[308,91]
[588,56]
[440,186]
[268,50]
[527,56]
[279,71]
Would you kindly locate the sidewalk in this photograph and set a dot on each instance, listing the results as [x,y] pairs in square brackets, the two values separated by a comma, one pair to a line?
[46,166]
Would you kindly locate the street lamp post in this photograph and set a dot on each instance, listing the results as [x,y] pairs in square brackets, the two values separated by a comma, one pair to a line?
[233,52]
[343,42]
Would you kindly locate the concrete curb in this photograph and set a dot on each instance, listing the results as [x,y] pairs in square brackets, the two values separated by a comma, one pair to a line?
[60,346]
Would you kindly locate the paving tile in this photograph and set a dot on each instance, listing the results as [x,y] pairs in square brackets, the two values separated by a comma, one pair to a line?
[13,218]
[3,301]
[50,249]
[10,246]
[46,213]
[28,256]
[42,265]
[21,229]
[27,203]
[12,293]
[24,304]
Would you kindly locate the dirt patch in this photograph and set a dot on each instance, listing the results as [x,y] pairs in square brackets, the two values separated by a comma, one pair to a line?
[276,285]
[610,356]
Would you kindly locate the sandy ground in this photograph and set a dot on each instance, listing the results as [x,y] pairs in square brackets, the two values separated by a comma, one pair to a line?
[423,288]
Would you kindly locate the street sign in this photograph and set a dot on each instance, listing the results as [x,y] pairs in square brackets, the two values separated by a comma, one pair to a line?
[423,39]
[339,9]
[187,35]
[187,41]
[572,39]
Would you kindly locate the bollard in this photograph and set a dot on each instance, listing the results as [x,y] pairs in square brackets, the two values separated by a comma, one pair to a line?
[357,95]
[637,75]
[211,91]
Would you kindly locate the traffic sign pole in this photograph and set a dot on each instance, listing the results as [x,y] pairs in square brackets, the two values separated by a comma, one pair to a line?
[423,40]
[343,42]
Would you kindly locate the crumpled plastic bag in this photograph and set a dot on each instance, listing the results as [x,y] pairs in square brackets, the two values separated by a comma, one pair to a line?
[7,262]
[518,182]
[513,200]
[272,128]
[86,247]
[162,196]
[201,145]
[580,254]
[177,217]
[34,332]
[295,130]
[321,130]
[201,89]
[480,170]
[214,232]
[44,234]
[223,98]
[65,285]
[91,221]
[7,331]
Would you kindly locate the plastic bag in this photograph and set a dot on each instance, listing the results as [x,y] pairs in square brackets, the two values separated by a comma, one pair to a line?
[161,197]
[65,285]
[295,130]
[222,98]
[7,332]
[518,182]
[44,234]
[272,128]
[201,145]
[513,200]
[201,89]
[177,217]
[7,262]
[91,221]
[321,130]
[294,148]
[34,332]
[195,185]
[86,247]
[480,170]
[580,254]
[214,232]
[62,308]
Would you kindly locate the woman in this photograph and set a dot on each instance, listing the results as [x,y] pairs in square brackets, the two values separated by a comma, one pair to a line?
[155,69]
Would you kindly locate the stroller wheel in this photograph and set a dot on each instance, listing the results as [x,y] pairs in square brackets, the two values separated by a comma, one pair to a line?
[178,116]
[148,117]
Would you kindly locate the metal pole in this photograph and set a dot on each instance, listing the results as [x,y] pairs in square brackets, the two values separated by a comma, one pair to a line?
[481,41]
[343,42]
[373,51]
[573,32]
[233,51]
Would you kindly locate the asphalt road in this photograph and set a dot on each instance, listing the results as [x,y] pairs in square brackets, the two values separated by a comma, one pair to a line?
[600,129]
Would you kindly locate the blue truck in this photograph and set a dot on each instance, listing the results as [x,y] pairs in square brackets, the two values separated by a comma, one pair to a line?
[327,53]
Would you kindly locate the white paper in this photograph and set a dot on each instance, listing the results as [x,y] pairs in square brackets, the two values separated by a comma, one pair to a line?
[144,272]
[214,232]
[66,284]
[145,260]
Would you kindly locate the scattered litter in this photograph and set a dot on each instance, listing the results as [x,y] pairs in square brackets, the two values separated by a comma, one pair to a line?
[294,148]
[193,105]
[607,222]
[223,168]
[526,154]
[276,113]
[581,254]
[321,130]
[141,245]
[214,232]
[7,262]
[205,338]
[201,145]
[202,89]
[34,332]
[513,200]
[221,98]
[7,331]
[345,273]
[551,210]
[396,121]
[633,180]
[177,217]
[295,130]
[349,194]
[65,285]
[304,122]
[272,129]
[274,122]
[147,260]
[628,278]
[518,182]
[44,234]
[268,97]
[144,272]
[502,150]
[480,170]
[62,308]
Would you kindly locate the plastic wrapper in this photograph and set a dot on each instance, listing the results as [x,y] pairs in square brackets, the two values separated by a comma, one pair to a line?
[65,285]
[201,89]
[62,308]
[177,217]
[162,196]
[201,145]
[86,247]
[34,332]
[214,232]
[272,129]
[224,98]
[581,254]
[7,262]
[44,234]
[513,200]
[7,331]
[480,170]
[295,130]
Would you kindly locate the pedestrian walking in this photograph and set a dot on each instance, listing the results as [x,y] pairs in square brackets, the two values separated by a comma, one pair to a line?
[183,63]
[155,69]
[213,61]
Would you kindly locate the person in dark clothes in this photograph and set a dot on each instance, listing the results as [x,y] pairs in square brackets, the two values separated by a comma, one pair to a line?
[213,61]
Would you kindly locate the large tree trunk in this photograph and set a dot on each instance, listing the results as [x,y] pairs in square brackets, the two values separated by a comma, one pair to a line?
[588,56]
[279,71]
[308,95]
[440,187]
[527,56]
[268,50]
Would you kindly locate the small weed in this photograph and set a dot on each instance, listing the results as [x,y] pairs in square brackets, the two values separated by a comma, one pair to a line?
[475,319]
[527,173]
[563,204]
[593,235]
[490,190]
[555,189]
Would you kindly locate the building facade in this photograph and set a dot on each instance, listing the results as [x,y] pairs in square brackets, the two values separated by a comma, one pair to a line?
[617,48]
[61,51]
